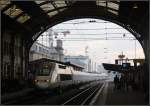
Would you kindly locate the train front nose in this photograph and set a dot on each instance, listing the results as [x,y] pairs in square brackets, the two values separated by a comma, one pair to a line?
[42,84]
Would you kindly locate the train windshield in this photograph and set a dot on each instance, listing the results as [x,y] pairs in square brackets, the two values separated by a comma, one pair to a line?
[43,72]
[44,69]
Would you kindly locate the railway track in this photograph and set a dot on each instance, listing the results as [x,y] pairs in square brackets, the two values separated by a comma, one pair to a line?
[79,96]
[28,99]
[84,97]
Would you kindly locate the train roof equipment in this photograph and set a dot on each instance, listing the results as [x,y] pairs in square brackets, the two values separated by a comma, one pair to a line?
[56,61]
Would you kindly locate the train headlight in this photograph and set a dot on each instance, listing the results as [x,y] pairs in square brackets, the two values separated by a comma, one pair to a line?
[47,80]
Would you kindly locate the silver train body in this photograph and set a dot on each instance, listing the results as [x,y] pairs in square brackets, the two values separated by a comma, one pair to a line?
[52,73]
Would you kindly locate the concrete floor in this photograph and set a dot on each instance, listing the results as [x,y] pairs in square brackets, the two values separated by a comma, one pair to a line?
[109,96]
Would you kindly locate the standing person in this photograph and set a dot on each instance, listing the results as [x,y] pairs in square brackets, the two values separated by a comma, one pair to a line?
[126,82]
[122,81]
[116,81]
[30,78]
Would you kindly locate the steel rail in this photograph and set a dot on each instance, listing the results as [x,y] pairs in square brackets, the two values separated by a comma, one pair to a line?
[93,90]
[76,96]
[96,96]
[91,95]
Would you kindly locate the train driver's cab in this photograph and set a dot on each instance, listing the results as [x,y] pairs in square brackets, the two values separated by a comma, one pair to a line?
[43,74]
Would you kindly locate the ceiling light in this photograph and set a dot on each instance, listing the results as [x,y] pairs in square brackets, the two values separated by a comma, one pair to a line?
[135,6]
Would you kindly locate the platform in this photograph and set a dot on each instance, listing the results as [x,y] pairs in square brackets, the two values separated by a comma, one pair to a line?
[109,96]
[16,94]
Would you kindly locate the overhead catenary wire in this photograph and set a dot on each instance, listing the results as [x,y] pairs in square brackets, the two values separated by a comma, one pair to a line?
[93,39]
[97,33]
[85,22]
[87,29]
[96,38]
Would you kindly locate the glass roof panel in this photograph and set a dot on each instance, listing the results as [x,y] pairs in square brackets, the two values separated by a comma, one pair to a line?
[112,11]
[101,3]
[47,7]
[62,9]
[23,18]
[52,13]
[117,1]
[60,3]
[39,1]
[113,5]
[13,11]
[4,3]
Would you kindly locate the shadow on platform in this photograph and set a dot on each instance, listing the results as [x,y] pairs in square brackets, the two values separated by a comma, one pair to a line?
[123,97]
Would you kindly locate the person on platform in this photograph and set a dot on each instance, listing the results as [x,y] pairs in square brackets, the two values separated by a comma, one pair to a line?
[116,81]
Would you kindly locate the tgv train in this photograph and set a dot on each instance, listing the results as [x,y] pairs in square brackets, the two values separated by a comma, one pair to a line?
[51,73]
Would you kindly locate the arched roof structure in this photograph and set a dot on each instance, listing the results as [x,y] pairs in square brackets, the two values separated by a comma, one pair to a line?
[34,17]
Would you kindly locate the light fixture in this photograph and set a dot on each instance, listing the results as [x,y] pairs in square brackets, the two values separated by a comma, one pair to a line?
[135,6]
[128,25]
[14,7]
[42,28]
[17,9]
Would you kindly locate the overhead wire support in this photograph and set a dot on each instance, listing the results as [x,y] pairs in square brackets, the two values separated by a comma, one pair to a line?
[106,29]
[135,48]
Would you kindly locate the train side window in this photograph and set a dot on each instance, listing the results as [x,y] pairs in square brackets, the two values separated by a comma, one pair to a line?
[61,66]
[64,77]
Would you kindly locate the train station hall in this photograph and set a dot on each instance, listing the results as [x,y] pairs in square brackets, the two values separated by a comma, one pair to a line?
[51,52]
